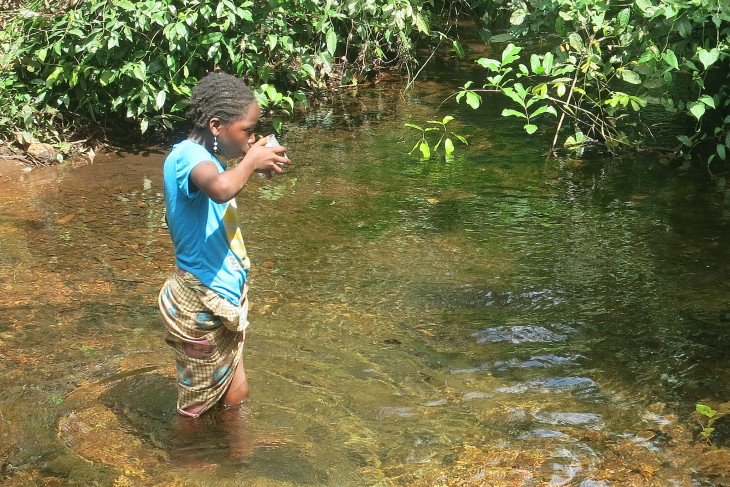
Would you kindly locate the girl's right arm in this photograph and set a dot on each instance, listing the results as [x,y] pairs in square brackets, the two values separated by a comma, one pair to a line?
[224,186]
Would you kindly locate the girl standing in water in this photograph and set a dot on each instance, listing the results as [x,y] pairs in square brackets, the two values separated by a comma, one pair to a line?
[204,304]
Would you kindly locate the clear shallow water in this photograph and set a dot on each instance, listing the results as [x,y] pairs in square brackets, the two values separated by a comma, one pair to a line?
[496,319]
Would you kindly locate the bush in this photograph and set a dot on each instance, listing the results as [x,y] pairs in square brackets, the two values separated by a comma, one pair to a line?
[612,66]
[99,64]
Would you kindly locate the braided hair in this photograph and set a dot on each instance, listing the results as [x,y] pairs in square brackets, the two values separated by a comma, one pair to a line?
[218,95]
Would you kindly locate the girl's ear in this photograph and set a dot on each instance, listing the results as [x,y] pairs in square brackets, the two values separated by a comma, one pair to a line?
[214,125]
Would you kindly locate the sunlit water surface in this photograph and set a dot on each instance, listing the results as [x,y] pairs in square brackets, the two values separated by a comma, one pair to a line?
[491,319]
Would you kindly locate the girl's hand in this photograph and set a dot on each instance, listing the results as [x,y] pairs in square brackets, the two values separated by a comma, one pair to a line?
[266,159]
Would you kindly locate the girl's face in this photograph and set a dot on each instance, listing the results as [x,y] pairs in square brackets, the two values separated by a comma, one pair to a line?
[235,138]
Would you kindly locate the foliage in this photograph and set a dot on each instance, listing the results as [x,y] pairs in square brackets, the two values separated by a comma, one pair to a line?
[707,417]
[102,64]
[614,67]
[446,136]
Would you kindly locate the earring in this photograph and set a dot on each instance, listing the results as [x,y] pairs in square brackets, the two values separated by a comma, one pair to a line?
[215,143]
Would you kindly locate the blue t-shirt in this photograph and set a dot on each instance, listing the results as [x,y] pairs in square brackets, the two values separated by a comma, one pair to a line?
[206,235]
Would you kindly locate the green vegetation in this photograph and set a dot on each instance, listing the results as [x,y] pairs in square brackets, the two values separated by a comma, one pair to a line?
[615,72]
[707,417]
[70,71]
[445,137]
[615,75]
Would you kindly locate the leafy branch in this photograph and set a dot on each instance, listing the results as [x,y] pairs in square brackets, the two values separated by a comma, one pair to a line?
[707,418]
[614,61]
[446,137]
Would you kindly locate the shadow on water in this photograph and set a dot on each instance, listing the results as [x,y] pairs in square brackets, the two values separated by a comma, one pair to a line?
[494,319]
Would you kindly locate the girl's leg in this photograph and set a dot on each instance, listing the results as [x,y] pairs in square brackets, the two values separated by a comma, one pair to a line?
[238,390]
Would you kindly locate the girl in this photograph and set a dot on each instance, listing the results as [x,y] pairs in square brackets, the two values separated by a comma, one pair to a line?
[204,304]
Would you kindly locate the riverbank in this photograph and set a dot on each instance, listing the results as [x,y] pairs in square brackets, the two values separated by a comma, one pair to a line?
[10,167]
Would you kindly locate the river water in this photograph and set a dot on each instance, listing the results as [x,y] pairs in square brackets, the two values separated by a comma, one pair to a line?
[492,319]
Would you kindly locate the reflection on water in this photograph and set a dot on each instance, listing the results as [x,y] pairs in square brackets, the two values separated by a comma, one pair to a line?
[496,319]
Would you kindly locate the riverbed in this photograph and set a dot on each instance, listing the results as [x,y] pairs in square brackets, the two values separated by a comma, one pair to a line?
[492,318]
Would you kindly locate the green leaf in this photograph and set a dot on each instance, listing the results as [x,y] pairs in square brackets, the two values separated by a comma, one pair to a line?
[670,58]
[721,151]
[530,128]
[708,58]
[707,100]
[577,140]
[508,36]
[139,70]
[331,41]
[508,112]
[705,410]
[598,21]
[421,24]
[547,62]
[458,49]
[510,53]
[52,77]
[535,64]
[685,140]
[575,41]
[425,149]
[623,17]
[447,119]
[213,50]
[463,139]
[543,109]
[697,109]
[473,99]
[518,98]
[144,124]
[630,77]
[309,69]
[490,64]
[644,5]
[326,61]
[684,26]
[271,40]
[449,146]
[160,99]
[518,17]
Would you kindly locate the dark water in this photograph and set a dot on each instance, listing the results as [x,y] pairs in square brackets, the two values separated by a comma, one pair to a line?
[493,319]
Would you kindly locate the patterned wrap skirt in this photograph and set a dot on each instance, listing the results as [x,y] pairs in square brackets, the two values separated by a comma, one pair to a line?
[207,333]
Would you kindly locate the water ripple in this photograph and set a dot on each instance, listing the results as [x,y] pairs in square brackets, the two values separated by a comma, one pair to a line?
[589,420]
[528,300]
[471,370]
[536,361]
[582,386]
[542,433]
[518,334]
[388,412]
